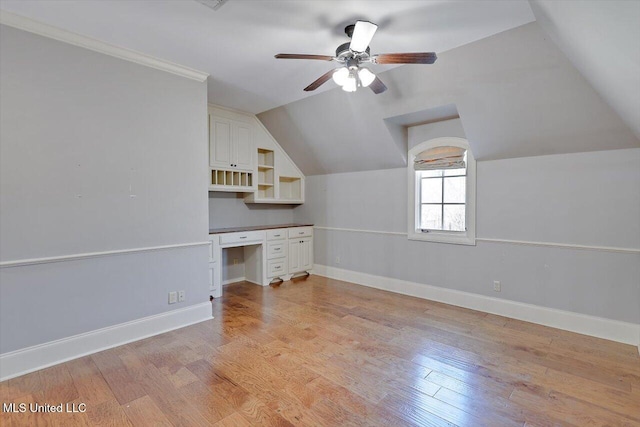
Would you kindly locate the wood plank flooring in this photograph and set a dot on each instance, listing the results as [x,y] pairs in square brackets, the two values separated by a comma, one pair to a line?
[320,352]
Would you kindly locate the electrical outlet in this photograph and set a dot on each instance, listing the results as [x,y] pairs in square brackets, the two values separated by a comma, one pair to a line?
[496,285]
[173,297]
[180,296]
[235,261]
[337,260]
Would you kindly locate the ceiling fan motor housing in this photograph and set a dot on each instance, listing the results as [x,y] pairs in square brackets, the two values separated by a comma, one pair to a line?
[343,52]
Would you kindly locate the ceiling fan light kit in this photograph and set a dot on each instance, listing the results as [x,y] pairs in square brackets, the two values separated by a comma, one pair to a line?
[351,55]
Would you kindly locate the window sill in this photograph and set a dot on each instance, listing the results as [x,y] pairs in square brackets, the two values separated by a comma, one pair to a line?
[437,237]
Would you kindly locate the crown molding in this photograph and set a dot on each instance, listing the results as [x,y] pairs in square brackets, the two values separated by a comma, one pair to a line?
[46,30]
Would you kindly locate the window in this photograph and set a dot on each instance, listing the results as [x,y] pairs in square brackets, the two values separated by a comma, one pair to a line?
[442,191]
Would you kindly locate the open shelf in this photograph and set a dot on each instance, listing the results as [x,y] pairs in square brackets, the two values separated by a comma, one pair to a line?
[265,176]
[265,191]
[271,186]
[290,188]
[265,158]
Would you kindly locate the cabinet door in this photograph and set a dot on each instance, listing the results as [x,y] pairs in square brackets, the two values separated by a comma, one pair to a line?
[220,142]
[242,146]
[306,254]
[300,255]
[294,256]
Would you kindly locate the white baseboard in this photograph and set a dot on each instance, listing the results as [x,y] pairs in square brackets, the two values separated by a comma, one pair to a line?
[614,330]
[233,280]
[23,361]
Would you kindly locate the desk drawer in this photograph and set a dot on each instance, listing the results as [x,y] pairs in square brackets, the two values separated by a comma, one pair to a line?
[296,232]
[276,249]
[276,267]
[278,234]
[241,237]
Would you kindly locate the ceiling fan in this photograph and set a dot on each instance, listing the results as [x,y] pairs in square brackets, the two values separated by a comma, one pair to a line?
[353,54]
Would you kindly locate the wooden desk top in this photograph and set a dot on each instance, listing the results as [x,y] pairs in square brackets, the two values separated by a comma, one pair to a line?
[254,228]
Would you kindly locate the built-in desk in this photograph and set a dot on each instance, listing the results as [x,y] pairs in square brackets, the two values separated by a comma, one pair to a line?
[270,252]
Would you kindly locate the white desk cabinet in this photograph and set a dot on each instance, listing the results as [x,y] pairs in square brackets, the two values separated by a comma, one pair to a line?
[268,254]
[300,249]
[300,255]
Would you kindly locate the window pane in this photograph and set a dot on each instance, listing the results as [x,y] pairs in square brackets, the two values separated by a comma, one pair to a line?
[431,217]
[452,172]
[454,217]
[454,189]
[430,173]
[431,189]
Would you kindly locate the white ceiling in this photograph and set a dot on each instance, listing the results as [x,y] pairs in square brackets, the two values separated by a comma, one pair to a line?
[236,44]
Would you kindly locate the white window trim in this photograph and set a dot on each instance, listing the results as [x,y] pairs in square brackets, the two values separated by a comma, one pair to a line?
[467,237]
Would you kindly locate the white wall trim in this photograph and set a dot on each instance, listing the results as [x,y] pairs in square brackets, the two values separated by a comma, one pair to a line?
[614,330]
[512,242]
[233,280]
[46,30]
[23,361]
[73,257]
[563,245]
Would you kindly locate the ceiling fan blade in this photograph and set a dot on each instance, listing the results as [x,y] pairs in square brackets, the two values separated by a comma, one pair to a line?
[377,86]
[303,56]
[320,81]
[405,58]
[362,35]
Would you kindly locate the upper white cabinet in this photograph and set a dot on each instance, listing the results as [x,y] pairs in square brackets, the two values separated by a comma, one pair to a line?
[230,144]
[244,157]
[232,155]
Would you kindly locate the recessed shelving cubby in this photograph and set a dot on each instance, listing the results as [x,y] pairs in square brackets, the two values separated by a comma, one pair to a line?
[290,188]
[223,180]
[265,176]
[266,191]
[265,158]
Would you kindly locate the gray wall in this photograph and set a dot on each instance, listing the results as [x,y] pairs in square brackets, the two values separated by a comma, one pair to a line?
[230,210]
[97,154]
[583,199]
[446,128]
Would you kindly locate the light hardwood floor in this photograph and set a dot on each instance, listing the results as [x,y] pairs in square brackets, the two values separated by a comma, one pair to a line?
[320,352]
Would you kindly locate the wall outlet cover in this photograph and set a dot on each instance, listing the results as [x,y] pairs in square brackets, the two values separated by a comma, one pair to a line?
[173,297]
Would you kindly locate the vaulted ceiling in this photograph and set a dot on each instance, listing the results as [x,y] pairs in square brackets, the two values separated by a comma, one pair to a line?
[236,43]
[516,93]
[526,78]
